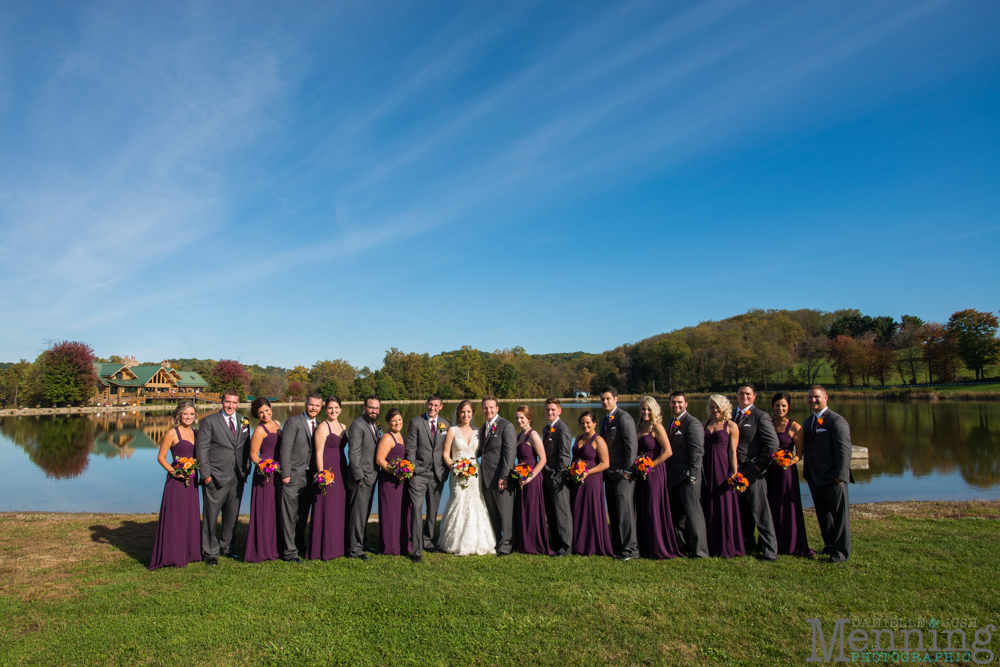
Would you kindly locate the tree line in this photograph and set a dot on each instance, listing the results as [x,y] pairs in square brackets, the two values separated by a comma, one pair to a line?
[789,348]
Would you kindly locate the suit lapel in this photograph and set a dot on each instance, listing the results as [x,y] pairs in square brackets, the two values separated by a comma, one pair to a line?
[229,431]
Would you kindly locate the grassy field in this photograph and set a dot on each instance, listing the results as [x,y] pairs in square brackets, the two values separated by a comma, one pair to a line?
[74,590]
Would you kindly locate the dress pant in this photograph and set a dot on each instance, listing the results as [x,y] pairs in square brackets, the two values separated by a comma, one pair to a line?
[755,511]
[215,499]
[833,511]
[296,501]
[620,493]
[689,518]
[424,486]
[558,512]
[359,508]
[500,507]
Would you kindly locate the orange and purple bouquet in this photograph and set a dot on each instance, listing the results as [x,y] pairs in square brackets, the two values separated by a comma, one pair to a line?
[464,469]
[325,478]
[521,473]
[185,468]
[782,458]
[577,471]
[738,482]
[266,467]
[401,468]
[642,466]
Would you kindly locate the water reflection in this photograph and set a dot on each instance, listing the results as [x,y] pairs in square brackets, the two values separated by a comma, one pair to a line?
[107,462]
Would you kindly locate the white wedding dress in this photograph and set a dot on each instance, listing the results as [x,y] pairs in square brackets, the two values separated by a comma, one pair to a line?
[465,526]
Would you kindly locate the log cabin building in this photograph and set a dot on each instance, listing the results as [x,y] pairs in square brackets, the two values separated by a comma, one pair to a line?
[129,382]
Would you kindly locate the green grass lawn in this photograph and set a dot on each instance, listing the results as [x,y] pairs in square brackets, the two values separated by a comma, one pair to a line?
[74,589]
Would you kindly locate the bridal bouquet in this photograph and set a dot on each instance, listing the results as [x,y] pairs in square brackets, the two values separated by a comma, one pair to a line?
[324,478]
[738,482]
[642,466]
[782,458]
[521,473]
[464,469]
[577,471]
[185,468]
[266,467]
[401,468]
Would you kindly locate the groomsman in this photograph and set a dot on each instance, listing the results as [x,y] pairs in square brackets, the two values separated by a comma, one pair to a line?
[558,444]
[758,441]
[425,436]
[684,477]
[827,454]
[618,430]
[224,463]
[362,439]
[297,458]
[497,451]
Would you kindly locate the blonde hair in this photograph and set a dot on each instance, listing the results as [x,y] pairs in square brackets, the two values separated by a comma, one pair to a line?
[722,403]
[656,413]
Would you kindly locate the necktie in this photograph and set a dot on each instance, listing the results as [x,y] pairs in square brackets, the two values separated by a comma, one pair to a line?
[431,422]
[814,424]
[312,427]
[232,425]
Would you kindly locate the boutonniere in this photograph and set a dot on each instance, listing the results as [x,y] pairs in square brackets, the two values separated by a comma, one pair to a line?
[552,429]
[493,429]
[677,423]
[819,421]
[441,426]
[246,422]
[611,420]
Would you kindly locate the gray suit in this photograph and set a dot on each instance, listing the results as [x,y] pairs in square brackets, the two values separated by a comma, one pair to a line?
[684,478]
[558,457]
[827,454]
[498,450]
[618,431]
[362,440]
[758,441]
[423,450]
[298,461]
[225,458]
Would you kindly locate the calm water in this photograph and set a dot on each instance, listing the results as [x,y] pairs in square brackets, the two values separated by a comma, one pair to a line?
[107,463]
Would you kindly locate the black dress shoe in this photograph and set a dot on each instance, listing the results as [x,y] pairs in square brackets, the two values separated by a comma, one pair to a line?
[501,554]
[370,550]
[296,560]
[623,558]
[232,556]
[431,550]
[416,558]
[211,560]
[363,556]
[559,554]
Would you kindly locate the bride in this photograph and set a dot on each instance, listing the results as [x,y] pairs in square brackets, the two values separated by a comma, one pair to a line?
[465,527]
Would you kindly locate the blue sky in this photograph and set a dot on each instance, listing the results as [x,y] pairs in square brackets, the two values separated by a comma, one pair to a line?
[283,184]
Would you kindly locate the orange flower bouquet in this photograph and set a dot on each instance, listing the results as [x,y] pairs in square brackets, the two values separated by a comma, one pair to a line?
[464,469]
[738,482]
[577,471]
[401,468]
[267,467]
[185,468]
[521,473]
[325,478]
[782,458]
[642,466]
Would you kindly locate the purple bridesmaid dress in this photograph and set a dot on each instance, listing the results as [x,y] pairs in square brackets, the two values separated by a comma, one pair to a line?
[718,499]
[785,501]
[530,534]
[654,524]
[178,532]
[591,535]
[262,537]
[328,536]
[393,508]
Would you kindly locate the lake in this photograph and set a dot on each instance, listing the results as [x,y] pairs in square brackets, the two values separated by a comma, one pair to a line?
[107,462]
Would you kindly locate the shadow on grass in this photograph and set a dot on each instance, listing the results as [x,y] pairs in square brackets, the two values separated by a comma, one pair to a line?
[133,538]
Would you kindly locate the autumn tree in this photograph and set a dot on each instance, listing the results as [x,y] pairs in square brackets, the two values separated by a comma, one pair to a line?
[976,338]
[68,374]
[229,374]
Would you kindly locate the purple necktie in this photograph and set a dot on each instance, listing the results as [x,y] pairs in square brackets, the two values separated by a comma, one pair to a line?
[312,427]
[232,425]
[430,423]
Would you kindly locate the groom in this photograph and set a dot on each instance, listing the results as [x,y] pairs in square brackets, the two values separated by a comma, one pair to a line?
[425,438]
[497,448]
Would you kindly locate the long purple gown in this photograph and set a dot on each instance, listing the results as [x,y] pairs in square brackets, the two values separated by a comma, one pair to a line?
[530,534]
[718,499]
[591,535]
[328,536]
[262,537]
[785,501]
[393,508]
[653,522]
[178,532]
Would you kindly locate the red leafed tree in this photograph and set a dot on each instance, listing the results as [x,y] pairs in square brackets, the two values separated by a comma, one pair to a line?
[229,374]
[68,374]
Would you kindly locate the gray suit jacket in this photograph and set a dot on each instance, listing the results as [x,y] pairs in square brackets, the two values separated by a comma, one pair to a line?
[827,452]
[297,453]
[558,450]
[623,445]
[498,450]
[222,455]
[758,440]
[688,444]
[424,451]
[361,445]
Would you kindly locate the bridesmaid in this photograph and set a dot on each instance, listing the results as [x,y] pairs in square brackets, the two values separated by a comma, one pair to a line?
[783,495]
[591,535]
[530,533]
[393,496]
[654,524]
[718,500]
[262,537]
[328,535]
[178,532]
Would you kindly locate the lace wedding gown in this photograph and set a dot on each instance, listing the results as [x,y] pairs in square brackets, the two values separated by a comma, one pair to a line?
[465,527]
